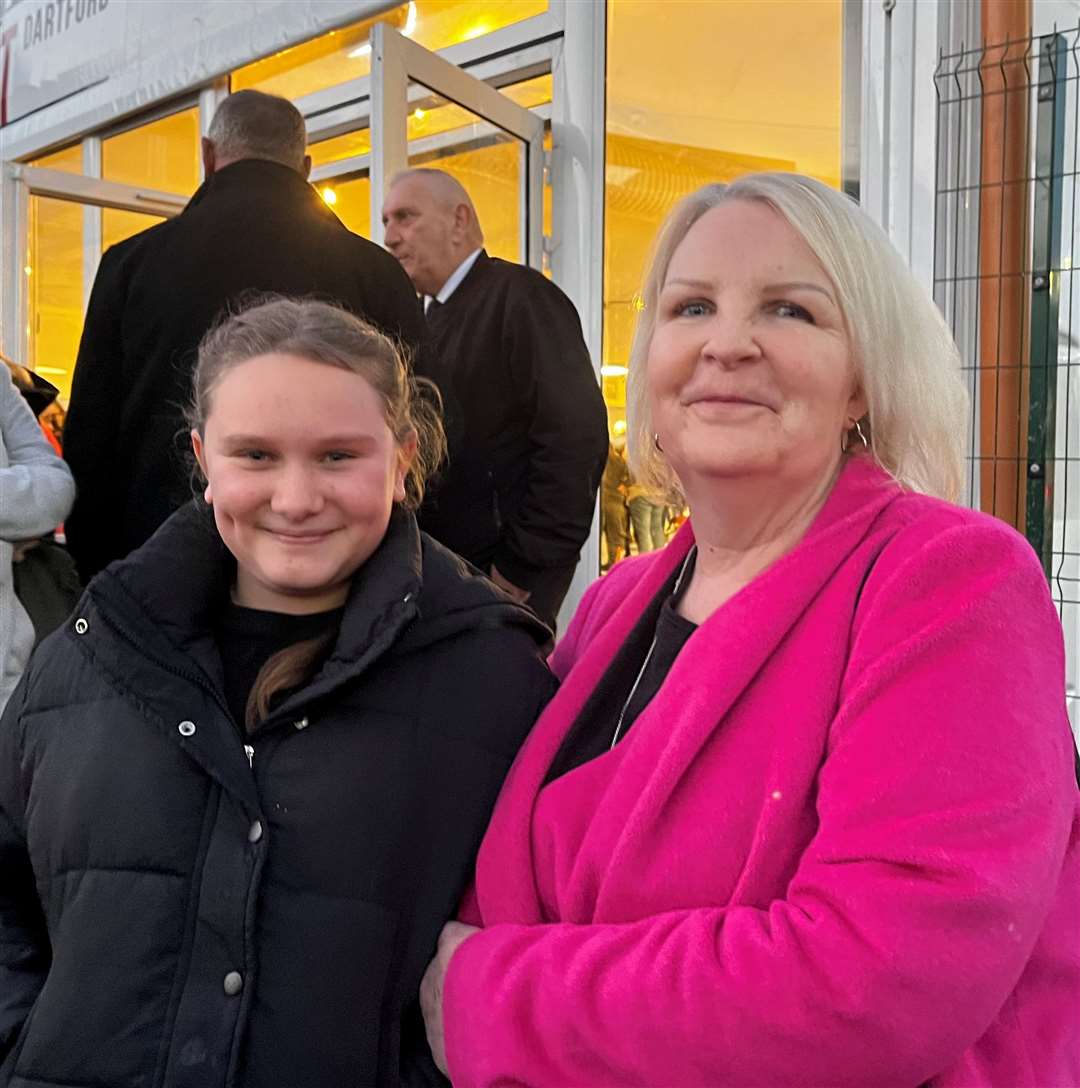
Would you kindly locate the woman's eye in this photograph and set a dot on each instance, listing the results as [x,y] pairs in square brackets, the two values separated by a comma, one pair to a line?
[692,309]
[336,456]
[791,309]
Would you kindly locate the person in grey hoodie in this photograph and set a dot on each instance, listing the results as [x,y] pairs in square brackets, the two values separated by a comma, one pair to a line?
[36,493]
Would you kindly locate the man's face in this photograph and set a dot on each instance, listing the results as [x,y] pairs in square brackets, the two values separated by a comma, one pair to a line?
[420,232]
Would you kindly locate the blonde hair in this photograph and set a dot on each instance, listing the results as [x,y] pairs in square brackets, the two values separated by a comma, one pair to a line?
[906,362]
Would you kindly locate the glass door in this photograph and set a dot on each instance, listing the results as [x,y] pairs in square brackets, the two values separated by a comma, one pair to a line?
[58,223]
[426,111]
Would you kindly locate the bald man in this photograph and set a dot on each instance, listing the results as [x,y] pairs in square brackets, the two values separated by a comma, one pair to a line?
[526,422]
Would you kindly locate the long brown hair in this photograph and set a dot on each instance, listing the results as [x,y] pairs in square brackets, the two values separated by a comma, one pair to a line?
[321,333]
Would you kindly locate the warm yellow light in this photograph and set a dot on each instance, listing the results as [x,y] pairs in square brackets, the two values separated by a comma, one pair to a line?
[328,195]
[611,370]
[50,370]
[418,114]
[407,30]
[638,303]
[618,427]
[28,270]
[478,28]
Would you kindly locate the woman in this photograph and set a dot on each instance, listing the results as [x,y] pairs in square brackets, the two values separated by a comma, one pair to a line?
[241,791]
[36,493]
[803,811]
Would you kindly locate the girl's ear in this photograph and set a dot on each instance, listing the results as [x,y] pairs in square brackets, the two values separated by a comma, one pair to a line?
[200,456]
[406,456]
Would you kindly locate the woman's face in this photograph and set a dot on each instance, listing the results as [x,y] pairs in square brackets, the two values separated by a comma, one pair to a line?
[749,366]
[302,472]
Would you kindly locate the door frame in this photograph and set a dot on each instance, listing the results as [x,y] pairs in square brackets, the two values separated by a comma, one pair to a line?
[19,183]
[397,61]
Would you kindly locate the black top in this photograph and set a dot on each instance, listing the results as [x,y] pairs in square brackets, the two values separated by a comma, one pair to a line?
[248,637]
[631,680]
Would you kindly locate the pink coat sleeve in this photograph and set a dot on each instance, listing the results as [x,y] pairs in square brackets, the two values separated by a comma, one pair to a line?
[946,799]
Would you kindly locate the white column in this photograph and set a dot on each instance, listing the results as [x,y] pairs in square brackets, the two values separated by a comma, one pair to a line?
[389,120]
[91,168]
[577,258]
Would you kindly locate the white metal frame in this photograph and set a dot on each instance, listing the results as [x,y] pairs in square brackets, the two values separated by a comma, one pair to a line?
[19,184]
[395,63]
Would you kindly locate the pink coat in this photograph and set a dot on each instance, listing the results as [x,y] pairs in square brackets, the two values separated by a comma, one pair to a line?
[840,847]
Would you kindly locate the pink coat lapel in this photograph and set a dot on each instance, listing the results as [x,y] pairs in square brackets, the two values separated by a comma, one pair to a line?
[740,638]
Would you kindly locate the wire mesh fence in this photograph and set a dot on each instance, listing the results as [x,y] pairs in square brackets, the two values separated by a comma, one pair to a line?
[1007,238]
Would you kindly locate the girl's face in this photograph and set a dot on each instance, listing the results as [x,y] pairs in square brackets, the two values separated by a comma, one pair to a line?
[302,472]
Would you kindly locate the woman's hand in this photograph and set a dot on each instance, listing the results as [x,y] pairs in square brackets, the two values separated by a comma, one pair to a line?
[431,987]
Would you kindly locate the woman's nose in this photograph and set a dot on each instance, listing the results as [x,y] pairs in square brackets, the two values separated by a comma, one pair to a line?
[730,339]
[296,493]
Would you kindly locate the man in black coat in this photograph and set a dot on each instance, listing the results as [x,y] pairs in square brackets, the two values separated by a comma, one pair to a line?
[526,423]
[255,225]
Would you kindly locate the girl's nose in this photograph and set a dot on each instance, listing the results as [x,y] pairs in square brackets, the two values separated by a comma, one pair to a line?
[296,493]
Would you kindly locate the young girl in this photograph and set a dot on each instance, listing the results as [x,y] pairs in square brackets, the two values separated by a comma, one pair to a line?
[242,789]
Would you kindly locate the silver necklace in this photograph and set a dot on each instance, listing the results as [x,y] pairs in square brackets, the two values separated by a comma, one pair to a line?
[652,647]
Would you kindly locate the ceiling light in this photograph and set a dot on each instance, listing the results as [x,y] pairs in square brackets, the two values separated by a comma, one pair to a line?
[328,195]
[611,370]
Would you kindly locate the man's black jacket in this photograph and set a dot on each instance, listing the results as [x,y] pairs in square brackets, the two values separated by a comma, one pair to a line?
[175,914]
[525,421]
[253,227]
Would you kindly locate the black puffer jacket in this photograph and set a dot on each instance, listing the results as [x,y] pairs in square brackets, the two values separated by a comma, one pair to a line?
[163,903]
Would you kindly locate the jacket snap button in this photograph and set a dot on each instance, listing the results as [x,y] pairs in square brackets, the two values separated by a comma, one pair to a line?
[301,723]
[81,626]
[233,984]
[186,729]
[255,831]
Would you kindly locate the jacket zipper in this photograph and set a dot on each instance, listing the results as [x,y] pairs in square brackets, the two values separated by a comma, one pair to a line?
[249,751]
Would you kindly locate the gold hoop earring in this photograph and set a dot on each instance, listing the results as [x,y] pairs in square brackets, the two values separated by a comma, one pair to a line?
[656,443]
[862,437]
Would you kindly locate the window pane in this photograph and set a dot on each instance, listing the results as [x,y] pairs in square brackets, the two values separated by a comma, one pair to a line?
[55,288]
[116,225]
[162,155]
[351,203]
[69,160]
[485,160]
[730,91]
[345,54]
[430,118]
[491,176]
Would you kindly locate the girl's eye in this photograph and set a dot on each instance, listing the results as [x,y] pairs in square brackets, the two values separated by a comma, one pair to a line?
[337,456]
[792,309]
